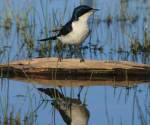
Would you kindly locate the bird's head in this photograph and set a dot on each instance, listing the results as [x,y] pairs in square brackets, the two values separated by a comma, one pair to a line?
[83,10]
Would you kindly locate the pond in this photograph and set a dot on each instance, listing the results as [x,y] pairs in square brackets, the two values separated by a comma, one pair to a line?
[119,31]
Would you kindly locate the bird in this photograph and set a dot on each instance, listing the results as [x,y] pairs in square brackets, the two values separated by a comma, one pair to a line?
[72,110]
[76,30]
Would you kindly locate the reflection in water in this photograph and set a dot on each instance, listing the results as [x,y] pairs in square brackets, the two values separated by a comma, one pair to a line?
[107,105]
[72,110]
[124,39]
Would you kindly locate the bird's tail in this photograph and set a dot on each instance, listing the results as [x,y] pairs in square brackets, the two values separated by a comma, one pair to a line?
[53,93]
[59,101]
[49,38]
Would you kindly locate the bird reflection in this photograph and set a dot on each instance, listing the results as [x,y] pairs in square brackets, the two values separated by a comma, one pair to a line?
[72,110]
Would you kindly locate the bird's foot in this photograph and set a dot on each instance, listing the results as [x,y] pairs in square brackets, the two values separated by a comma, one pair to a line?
[82,60]
[60,59]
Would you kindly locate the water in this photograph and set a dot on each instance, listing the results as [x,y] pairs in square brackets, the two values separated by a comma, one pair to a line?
[115,27]
[107,105]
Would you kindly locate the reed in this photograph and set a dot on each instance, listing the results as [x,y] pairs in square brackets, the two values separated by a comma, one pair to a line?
[21,30]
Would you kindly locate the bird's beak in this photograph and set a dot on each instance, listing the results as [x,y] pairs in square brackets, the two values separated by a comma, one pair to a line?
[96,9]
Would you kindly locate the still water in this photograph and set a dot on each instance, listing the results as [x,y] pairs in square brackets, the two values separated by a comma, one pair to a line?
[107,105]
[118,26]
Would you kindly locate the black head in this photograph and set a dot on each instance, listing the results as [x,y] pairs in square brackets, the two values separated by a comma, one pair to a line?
[81,10]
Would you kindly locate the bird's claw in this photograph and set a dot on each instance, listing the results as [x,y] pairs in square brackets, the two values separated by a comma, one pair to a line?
[60,59]
[82,60]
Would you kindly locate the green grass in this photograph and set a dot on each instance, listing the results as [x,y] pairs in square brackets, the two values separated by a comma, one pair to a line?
[29,26]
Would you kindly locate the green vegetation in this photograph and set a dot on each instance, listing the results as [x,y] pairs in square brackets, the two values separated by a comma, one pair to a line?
[117,36]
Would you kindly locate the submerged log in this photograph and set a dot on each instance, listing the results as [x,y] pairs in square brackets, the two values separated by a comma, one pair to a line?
[49,70]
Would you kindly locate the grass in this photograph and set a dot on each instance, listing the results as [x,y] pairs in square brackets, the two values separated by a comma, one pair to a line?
[26,26]
[7,23]
[21,30]
[10,115]
[139,46]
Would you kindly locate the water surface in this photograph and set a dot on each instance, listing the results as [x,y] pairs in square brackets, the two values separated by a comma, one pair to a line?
[117,29]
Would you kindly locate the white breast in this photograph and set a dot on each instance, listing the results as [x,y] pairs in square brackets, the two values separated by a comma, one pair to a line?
[80,31]
[79,115]
[79,118]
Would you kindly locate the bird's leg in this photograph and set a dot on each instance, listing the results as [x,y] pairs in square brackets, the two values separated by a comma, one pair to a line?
[79,52]
[82,60]
[60,56]
[79,93]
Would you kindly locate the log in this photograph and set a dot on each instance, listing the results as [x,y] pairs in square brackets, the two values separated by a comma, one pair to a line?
[75,73]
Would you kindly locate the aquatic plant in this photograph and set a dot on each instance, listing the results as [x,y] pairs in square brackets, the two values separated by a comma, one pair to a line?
[7,23]
[29,42]
[109,19]
[18,119]
[146,43]
[136,47]
[101,49]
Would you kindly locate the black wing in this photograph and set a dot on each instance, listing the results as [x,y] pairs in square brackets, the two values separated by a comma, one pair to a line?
[67,28]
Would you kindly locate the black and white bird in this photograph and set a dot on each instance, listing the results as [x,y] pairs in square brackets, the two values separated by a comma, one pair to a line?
[76,30]
[72,110]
